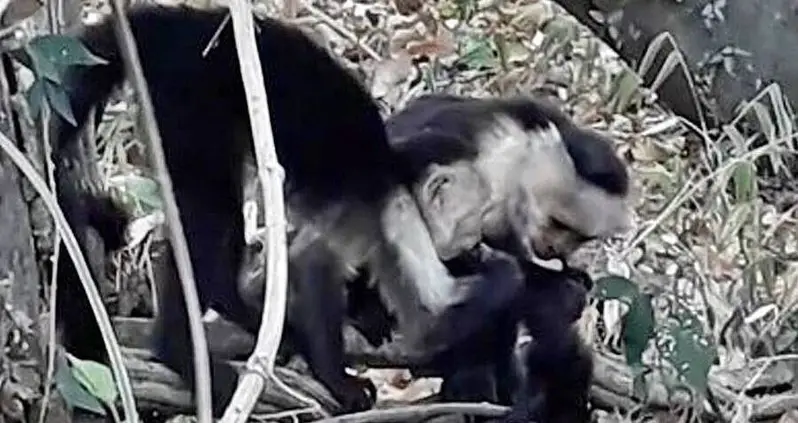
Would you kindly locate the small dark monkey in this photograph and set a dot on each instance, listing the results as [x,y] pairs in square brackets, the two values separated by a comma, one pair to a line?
[559,367]
[481,364]
[525,179]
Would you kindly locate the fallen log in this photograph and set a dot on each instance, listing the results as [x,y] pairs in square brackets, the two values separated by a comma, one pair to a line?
[158,389]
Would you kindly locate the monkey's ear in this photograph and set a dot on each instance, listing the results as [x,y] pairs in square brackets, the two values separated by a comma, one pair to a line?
[452,198]
[437,186]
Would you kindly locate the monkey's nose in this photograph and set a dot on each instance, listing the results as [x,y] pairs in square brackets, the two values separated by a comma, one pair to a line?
[546,253]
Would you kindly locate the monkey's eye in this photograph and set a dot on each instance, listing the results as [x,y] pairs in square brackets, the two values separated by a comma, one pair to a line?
[562,226]
[559,224]
[438,187]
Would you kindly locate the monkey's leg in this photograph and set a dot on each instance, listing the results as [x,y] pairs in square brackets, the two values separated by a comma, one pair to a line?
[566,381]
[319,313]
[559,371]
[478,363]
[215,260]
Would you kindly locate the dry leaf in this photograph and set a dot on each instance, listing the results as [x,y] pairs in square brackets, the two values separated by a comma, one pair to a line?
[530,17]
[401,37]
[643,151]
[389,74]
[408,7]
[443,44]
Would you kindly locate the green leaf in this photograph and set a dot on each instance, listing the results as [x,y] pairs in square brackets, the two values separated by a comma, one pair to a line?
[478,53]
[638,329]
[71,390]
[96,378]
[36,97]
[624,89]
[60,101]
[140,190]
[466,8]
[50,55]
[745,186]
[692,357]
[42,67]
[615,287]
[64,50]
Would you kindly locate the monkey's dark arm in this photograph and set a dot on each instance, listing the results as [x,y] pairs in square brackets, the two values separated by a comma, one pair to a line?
[100,213]
[472,344]
[559,370]
[492,282]
[480,363]
[316,317]
[559,367]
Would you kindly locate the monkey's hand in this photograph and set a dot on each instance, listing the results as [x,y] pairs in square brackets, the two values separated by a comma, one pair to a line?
[490,289]
[578,276]
[356,394]
[555,297]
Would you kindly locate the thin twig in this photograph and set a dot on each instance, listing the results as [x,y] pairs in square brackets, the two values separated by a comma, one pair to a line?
[260,365]
[177,238]
[71,244]
[419,412]
[216,35]
[51,332]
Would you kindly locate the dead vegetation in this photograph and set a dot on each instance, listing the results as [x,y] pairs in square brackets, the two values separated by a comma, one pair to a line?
[716,207]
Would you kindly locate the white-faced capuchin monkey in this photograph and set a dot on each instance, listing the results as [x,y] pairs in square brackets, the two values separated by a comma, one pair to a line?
[345,189]
[550,184]
[523,178]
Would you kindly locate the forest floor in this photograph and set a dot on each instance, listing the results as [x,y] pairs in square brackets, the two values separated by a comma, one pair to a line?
[715,243]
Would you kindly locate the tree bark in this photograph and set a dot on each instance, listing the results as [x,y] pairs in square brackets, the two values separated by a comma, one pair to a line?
[734,48]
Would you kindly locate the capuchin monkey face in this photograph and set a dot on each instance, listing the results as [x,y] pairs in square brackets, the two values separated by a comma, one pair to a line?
[534,188]
[552,210]
[452,199]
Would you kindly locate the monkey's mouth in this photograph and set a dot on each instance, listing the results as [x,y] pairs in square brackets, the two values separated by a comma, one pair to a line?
[448,251]
[544,255]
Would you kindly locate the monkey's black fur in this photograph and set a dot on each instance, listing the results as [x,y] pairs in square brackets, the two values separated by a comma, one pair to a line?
[329,137]
[559,367]
[480,364]
[366,312]
[553,384]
